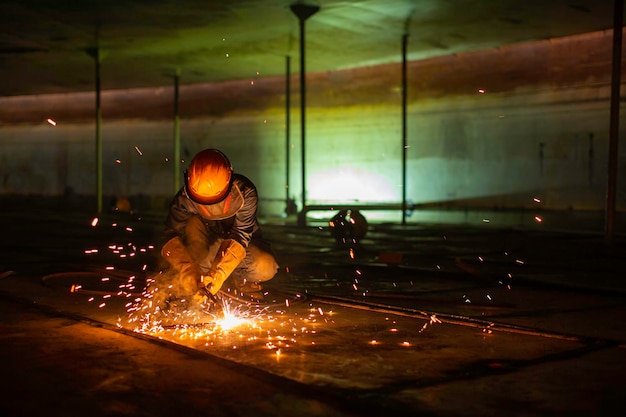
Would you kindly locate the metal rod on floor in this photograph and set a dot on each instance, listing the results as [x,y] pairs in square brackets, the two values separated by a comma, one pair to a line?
[614,121]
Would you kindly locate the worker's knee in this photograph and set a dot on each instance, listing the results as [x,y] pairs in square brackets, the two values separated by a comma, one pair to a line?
[262,265]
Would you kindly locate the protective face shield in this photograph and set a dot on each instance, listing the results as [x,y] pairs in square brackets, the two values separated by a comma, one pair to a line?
[208,177]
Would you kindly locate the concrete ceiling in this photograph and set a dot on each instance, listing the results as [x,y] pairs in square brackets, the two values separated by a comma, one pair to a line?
[43,43]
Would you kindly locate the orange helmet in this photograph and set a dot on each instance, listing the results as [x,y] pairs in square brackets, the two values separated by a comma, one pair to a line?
[208,177]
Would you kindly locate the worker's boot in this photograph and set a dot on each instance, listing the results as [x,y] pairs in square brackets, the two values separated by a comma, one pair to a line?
[248,289]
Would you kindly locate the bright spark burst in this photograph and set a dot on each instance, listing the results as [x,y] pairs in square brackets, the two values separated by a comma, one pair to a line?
[154,311]
[234,316]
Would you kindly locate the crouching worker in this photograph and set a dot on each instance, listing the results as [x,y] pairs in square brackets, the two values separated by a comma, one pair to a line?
[212,233]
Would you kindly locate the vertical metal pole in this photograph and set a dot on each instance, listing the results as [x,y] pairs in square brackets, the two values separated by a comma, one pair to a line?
[404,128]
[176,157]
[287,128]
[97,56]
[303,12]
[302,114]
[614,122]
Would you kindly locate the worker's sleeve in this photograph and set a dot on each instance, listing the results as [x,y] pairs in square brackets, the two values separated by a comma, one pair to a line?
[180,210]
[245,220]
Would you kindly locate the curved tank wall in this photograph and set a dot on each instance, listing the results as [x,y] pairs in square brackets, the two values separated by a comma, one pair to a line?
[507,128]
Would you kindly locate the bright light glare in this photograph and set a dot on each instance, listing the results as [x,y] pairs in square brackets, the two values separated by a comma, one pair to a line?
[347,184]
[230,321]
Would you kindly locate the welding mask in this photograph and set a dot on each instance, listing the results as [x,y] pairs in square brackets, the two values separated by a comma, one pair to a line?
[208,177]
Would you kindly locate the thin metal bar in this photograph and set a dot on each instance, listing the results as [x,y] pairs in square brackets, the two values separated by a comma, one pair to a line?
[404,125]
[614,121]
[97,56]
[303,111]
[176,157]
[303,12]
[287,129]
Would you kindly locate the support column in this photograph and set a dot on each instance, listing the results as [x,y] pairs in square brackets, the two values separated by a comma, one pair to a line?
[618,18]
[303,12]
[96,54]
[404,125]
[176,153]
[288,203]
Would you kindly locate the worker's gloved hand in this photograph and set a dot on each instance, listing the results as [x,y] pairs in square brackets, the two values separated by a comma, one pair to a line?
[190,277]
[230,254]
[208,302]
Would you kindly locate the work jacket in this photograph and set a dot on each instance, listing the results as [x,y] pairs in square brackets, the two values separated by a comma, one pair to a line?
[235,217]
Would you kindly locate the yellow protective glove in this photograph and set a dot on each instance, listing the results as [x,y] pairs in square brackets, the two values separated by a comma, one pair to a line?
[230,254]
[190,277]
